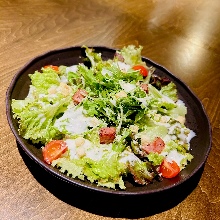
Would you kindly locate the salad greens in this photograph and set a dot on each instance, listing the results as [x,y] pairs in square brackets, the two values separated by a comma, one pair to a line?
[115,122]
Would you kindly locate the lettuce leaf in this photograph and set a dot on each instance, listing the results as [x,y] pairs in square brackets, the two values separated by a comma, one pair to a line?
[155,158]
[180,110]
[132,55]
[43,81]
[155,131]
[186,160]
[170,91]
[142,172]
[37,113]
[93,56]
[106,172]
[69,167]
[36,119]
[120,143]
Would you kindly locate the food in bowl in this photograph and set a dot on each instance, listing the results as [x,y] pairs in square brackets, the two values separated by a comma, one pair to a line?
[105,120]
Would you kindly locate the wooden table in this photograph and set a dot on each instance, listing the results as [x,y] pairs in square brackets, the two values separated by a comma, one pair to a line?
[183,36]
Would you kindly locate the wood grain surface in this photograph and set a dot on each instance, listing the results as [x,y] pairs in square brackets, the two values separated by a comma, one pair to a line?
[183,36]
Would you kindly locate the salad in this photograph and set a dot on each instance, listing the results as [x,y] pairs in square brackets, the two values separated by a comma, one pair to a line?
[107,121]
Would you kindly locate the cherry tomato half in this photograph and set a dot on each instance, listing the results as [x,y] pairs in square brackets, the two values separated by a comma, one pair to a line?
[169,169]
[53,150]
[142,69]
[56,68]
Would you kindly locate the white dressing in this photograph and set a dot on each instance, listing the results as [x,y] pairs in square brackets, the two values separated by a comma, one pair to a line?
[123,66]
[73,68]
[127,87]
[174,155]
[75,122]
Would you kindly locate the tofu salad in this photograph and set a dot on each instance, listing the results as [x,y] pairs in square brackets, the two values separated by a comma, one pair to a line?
[106,121]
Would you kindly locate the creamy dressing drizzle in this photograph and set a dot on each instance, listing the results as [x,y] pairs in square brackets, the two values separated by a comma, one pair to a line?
[75,122]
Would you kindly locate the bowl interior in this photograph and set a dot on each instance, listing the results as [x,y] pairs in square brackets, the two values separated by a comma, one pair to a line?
[196,119]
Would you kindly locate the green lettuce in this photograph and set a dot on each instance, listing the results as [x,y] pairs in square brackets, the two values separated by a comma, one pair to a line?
[155,158]
[36,119]
[179,110]
[170,91]
[164,101]
[94,57]
[42,81]
[132,55]
[186,160]
[155,131]
[106,172]
[37,113]
[142,172]
[174,145]
[120,143]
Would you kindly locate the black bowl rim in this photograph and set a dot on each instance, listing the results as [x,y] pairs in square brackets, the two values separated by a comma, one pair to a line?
[74,182]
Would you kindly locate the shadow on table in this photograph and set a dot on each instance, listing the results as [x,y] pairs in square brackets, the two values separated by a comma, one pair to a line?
[110,205]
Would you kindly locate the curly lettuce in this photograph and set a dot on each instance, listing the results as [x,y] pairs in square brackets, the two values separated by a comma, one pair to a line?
[106,172]
[38,112]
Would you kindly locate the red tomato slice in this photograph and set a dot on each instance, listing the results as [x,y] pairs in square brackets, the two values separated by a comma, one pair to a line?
[142,69]
[56,68]
[169,169]
[53,150]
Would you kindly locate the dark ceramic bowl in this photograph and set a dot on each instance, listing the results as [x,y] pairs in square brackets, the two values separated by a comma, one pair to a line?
[196,120]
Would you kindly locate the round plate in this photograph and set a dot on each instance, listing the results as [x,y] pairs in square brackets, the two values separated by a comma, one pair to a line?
[196,120]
